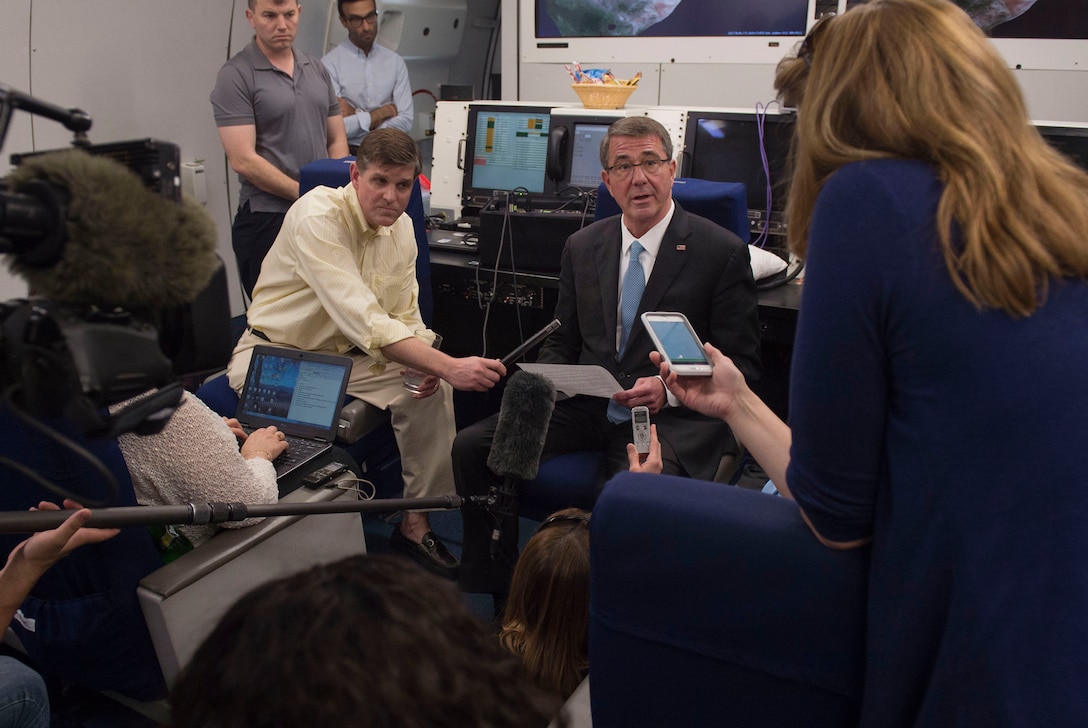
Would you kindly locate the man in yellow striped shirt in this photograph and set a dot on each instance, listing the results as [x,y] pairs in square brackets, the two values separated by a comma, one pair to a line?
[340,278]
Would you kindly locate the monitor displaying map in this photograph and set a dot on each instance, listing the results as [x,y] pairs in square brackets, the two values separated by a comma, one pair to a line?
[671,18]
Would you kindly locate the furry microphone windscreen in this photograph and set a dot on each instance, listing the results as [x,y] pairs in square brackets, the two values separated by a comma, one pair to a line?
[524,414]
[126,245]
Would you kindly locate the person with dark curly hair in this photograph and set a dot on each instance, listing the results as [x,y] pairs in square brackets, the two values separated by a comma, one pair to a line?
[366,641]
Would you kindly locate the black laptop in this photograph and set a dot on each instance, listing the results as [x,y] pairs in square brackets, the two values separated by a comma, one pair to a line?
[301,393]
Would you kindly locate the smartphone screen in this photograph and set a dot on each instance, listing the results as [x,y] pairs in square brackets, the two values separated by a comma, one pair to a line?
[677,342]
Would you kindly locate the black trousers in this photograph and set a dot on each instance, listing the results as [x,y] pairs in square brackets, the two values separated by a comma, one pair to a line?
[252,234]
[578,424]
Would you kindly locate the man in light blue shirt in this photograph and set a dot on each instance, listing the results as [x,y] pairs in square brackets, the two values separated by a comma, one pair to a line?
[370,80]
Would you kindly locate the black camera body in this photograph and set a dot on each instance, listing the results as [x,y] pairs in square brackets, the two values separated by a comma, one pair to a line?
[71,361]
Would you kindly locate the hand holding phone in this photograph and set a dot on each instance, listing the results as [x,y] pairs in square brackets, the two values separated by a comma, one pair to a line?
[678,344]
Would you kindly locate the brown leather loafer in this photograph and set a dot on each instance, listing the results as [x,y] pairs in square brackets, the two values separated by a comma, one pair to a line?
[431,554]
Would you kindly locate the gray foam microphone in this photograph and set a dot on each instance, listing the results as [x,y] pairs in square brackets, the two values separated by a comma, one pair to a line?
[123,244]
[524,414]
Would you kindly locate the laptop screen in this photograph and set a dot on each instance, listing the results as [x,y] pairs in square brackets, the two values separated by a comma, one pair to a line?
[299,392]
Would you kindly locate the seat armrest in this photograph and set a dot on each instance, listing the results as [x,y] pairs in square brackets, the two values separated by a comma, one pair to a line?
[184,600]
[227,545]
[357,418]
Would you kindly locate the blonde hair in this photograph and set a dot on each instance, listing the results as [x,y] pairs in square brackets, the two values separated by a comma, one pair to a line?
[546,621]
[917,79]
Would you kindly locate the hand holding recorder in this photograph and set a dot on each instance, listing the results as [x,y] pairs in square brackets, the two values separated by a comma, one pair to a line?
[648,462]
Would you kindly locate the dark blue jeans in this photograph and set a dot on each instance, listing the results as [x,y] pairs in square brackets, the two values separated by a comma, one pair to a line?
[23,699]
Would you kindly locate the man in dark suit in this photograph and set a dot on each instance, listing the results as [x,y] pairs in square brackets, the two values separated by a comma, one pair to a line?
[685,263]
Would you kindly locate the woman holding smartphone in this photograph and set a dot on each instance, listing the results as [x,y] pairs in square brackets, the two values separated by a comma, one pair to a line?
[938,406]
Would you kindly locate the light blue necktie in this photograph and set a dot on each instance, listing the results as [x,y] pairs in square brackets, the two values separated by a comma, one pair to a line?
[634,283]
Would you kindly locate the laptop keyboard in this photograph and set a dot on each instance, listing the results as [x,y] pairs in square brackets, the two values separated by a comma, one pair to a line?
[297,450]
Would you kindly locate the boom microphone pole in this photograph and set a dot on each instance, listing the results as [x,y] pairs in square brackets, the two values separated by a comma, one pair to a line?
[73,119]
[199,514]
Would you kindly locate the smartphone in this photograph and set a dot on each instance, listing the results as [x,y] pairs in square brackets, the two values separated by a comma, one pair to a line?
[677,343]
[640,430]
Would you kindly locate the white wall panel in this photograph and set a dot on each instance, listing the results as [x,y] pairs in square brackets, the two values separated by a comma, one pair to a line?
[550,83]
[140,68]
[15,73]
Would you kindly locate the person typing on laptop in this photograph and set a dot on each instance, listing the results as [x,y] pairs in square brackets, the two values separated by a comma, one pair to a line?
[196,458]
[340,279]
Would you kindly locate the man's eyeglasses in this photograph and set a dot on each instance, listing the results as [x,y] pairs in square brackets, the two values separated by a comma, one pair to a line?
[623,170]
[357,20]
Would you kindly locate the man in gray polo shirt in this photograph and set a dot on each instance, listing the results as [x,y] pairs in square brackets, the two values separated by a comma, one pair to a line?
[276,111]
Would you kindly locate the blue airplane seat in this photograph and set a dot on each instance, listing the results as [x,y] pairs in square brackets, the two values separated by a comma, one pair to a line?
[725,203]
[82,622]
[732,613]
[217,394]
[565,481]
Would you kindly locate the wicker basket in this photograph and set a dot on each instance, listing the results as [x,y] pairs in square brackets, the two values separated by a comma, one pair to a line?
[603,95]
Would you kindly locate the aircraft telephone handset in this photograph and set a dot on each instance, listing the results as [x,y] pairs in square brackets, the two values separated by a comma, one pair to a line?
[558,138]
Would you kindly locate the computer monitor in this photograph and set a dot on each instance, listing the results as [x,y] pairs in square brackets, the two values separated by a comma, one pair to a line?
[585,154]
[692,31]
[743,147]
[574,152]
[506,148]
[1072,141]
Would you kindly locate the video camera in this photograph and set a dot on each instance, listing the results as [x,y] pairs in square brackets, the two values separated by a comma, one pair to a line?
[102,326]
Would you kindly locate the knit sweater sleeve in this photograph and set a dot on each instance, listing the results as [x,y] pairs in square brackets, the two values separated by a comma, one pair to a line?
[195,459]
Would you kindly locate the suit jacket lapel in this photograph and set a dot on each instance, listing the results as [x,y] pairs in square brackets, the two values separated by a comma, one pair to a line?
[608,275]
